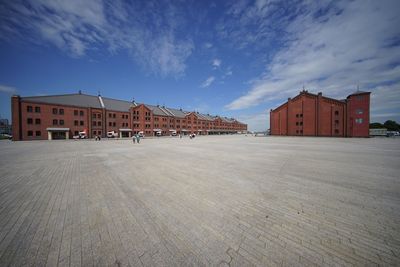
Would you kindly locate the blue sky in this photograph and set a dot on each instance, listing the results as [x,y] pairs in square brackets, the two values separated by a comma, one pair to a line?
[233,58]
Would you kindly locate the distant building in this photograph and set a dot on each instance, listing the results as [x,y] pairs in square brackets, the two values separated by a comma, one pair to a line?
[378,132]
[316,115]
[5,127]
[64,116]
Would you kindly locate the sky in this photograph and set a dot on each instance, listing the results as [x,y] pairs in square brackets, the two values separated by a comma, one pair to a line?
[230,58]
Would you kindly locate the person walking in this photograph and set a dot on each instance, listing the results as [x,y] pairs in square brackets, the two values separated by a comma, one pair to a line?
[133,138]
[138,138]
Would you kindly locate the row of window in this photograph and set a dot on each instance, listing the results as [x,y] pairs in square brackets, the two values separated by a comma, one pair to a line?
[96,115]
[96,123]
[37,133]
[30,109]
[81,113]
[58,111]
[96,132]
[81,123]
[30,121]
[58,122]
[113,124]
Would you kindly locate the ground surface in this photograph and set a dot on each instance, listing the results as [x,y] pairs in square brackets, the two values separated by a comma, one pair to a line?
[222,200]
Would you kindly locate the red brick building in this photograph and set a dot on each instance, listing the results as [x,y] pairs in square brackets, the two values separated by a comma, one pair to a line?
[316,115]
[62,116]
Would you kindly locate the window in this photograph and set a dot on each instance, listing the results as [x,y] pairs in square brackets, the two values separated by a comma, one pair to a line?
[99,132]
[297,123]
[61,111]
[75,112]
[61,122]
[37,109]
[297,115]
[94,123]
[336,112]
[301,131]
[301,123]
[99,123]
[301,115]
[55,122]
[113,124]
[55,111]
[29,121]
[109,115]
[76,123]
[114,115]
[297,131]
[94,116]
[110,123]
[99,116]
[38,133]
[81,113]
[81,123]
[76,133]
[359,121]
[37,121]
[94,132]
[336,131]
[29,108]
[336,121]
[359,111]
[30,133]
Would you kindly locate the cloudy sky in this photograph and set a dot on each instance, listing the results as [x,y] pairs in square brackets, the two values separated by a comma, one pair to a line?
[233,58]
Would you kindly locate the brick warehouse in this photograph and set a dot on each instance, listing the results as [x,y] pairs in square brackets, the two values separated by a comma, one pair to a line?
[61,116]
[316,115]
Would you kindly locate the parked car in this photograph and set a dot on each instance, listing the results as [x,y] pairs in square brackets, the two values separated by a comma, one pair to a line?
[81,135]
[6,136]
[112,134]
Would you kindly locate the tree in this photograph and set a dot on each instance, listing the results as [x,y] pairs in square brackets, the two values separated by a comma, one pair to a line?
[376,125]
[391,125]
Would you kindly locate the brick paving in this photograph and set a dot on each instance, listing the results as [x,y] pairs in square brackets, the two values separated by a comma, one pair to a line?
[215,200]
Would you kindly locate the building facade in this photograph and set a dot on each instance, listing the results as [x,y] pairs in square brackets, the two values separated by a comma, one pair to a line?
[64,116]
[316,115]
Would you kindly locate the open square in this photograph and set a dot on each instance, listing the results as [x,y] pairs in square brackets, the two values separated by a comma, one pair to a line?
[214,200]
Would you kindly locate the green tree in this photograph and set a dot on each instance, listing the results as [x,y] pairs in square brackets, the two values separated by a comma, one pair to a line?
[391,125]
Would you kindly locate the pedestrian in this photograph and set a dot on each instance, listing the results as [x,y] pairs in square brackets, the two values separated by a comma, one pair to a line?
[138,138]
[134,138]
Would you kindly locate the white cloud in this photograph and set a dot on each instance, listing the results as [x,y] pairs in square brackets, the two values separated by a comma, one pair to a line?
[208,45]
[216,63]
[146,30]
[208,82]
[256,122]
[8,89]
[353,42]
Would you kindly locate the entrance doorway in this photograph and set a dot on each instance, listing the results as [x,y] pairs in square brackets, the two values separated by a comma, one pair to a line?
[125,134]
[59,135]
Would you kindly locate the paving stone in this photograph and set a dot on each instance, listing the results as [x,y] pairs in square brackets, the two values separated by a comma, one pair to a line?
[209,201]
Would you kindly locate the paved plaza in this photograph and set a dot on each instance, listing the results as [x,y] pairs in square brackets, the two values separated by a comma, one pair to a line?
[210,201]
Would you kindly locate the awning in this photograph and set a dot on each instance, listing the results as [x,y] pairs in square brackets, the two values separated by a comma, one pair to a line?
[184,130]
[57,129]
[125,130]
[172,130]
[157,130]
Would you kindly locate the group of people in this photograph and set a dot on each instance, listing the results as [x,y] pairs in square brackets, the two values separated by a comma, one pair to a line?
[136,138]
[193,135]
[97,138]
